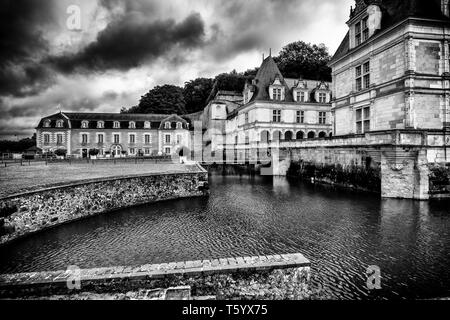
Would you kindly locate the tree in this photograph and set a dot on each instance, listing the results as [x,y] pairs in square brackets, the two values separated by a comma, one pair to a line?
[166,99]
[300,59]
[232,81]
[196,93]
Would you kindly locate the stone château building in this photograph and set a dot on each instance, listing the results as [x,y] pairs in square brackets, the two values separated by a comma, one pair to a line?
[392,69]
[270,109]
[113,134]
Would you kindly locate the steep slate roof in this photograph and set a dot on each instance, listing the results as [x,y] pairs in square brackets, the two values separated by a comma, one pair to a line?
[394,11]
[264,78]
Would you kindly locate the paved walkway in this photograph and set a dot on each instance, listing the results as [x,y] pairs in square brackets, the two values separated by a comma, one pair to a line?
[17,179]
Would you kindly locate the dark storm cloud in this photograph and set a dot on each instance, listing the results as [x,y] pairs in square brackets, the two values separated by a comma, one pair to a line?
[22,45]
[131,41]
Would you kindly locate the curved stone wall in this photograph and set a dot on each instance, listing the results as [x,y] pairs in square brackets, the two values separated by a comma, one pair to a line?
[30,212]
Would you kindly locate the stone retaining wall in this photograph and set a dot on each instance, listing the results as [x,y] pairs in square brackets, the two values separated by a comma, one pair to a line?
[283,276]
[30,212]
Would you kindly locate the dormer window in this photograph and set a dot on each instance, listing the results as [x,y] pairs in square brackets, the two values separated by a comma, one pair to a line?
[100,124]
[301,96]
[167,125]
[147,124]
[84,124]
[361,31]
[116,124]
[179,125]
[47,123]
[132,125]
[59,124]
[322,97]
[276,93]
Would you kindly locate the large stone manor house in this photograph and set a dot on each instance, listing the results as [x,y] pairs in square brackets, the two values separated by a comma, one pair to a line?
[113,134]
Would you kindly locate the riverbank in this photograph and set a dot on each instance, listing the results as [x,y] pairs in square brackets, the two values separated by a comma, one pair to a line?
[71,197]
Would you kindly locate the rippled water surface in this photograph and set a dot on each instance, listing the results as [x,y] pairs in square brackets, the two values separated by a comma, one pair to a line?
[342,233]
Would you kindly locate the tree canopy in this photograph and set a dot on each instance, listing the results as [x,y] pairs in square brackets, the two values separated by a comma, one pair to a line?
[297,59]
[166,99]
[300,59]
[17,146]
[196,93]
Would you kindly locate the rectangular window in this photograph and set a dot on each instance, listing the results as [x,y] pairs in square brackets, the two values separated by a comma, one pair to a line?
[300,116]
[276,93]
[132,138]
[301,97]
[59,139]
[358,33]
[167,138]
[276,115]
[116,138]
[362,74]
[178,138]
[363,120]
[167,150]
[46,138]
[365,29]
[147,151]
[247,139]
[147,139]
[100,138]
[132,151]
[322,97]
[84,138]
[246,117]
[322,117]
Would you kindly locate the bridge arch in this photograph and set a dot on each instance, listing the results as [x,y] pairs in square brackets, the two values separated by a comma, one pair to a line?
[311,135]
[299,135]
[322,134]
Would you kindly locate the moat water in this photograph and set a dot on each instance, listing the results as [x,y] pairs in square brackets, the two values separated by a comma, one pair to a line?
[341,232]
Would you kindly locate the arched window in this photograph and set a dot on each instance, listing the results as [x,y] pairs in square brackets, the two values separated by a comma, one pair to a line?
[59,124]
[116,124]
[47,123]
[311,135]
[132,125]
[100,124]
[147,124]
[322,134]
[288,136]
[84,124]
[167,125]
[265,136]
[179,126]
[276,136]
[299,135]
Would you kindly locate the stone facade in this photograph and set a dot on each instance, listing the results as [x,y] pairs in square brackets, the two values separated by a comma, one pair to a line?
[30,212]
[271,108]
[284,276]
[113,135]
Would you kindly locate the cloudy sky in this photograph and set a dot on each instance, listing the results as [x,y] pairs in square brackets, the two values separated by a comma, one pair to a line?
[124,48]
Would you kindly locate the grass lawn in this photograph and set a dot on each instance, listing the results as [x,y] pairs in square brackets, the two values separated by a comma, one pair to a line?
[16,179]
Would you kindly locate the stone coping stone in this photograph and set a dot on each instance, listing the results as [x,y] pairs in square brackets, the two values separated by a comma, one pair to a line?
[157,271]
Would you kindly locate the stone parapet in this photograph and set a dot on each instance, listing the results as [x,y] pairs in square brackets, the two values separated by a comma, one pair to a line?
[22,214]
[284,276]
